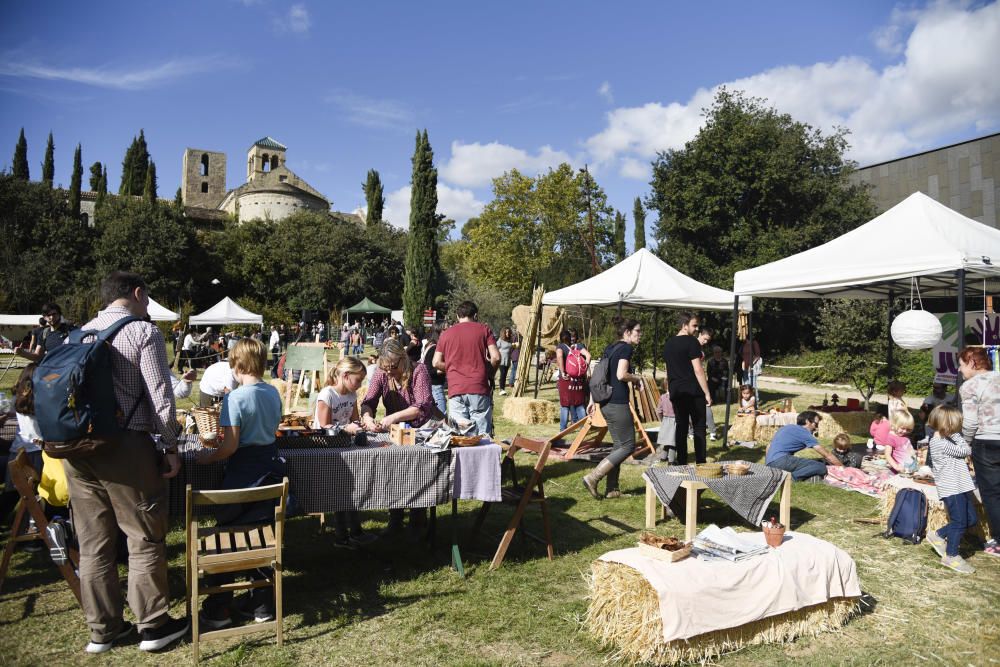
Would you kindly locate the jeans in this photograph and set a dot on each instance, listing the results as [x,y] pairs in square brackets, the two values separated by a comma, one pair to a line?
[440,400]
[986,459]
[689,408]
[473,407]
[622,429]
[961,516]
[574,413]
[800,468]
[513,371]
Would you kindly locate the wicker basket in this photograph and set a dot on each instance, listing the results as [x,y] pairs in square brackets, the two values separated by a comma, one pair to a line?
[709,470]
[737,469]
[207,420]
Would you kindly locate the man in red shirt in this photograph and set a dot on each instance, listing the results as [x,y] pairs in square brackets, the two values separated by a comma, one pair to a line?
[467,353]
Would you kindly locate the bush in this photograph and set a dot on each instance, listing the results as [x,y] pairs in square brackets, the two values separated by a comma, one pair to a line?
[913,367]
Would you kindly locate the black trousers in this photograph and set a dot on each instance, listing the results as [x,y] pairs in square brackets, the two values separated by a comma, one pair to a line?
[689,408]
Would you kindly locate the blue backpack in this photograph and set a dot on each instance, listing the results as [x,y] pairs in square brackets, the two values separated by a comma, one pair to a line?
[75,402]
[908,519]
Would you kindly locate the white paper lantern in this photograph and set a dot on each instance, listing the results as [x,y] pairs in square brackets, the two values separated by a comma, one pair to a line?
[916,330]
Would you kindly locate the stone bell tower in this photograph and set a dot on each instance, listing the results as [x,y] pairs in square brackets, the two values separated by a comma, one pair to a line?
[203,178]
[264,156]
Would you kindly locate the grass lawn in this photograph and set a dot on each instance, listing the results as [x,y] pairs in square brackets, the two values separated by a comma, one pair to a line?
[400,603]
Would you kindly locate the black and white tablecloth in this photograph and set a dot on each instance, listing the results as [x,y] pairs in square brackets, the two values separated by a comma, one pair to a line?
[749,495]
[329,477]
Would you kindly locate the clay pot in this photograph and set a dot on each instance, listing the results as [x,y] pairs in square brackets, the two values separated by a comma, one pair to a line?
[774,536]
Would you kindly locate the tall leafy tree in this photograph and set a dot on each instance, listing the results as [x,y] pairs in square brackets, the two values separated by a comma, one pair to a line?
[76,183]
[125,187]
[20,163]
[422,263]
[96,170]
[619,240]
[374,197]
[639,217]
[149,189]
[753,186]
[49,164]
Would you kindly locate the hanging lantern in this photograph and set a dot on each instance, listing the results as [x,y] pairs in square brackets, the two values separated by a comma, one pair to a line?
[916,330]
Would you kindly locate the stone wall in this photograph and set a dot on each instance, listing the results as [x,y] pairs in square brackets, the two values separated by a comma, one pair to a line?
[197,188]
[275,205]
[964,177]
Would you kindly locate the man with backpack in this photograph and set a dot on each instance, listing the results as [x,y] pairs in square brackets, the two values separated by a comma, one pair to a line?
[122,483]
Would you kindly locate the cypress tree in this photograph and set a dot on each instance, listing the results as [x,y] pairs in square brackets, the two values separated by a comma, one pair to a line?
[374,197]
[619,240]
[20,162]
[421,266]
[639,216]
[102,191]
[76,183]
[179,199]
[149,189]
[49,165]
[96,170]
[140,165]
[125,187]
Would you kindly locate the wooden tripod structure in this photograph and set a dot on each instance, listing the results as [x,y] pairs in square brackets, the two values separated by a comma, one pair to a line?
[594,427]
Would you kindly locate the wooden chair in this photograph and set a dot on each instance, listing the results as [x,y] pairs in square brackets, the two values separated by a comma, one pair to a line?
[520,496]
[25,480]
[221,549]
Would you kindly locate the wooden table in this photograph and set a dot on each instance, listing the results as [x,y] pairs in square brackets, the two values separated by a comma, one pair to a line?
[693,489]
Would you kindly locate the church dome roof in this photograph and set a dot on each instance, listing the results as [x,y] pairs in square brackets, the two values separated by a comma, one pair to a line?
[268,142]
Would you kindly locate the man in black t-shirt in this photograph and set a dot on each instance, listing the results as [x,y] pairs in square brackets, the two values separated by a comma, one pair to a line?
[50,336]
[688,387]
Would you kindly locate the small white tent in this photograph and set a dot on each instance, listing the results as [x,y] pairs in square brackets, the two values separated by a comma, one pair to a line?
[19,320]
[226,311]
[644,280]
[918,237]
[158,313]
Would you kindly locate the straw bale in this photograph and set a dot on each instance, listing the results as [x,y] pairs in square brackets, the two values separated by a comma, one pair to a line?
[854,423]
[524,410]
[624,615]
[937,514]
[743,428]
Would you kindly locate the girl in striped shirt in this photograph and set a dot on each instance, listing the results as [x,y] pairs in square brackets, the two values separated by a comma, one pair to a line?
[954,485]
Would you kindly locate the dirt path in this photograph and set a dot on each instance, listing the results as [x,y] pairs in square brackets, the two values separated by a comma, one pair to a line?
[843,391]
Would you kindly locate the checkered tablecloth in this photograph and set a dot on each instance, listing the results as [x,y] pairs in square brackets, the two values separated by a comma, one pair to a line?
[329,477]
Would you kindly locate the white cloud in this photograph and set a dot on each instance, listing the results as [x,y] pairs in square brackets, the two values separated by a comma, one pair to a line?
[296,20]
[640,170]
[123,79]
[475,165]
[456,203]
[371,112]
[945,82]
[605,92]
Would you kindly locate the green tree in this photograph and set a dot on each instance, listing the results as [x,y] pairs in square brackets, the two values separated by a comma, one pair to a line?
[639,217]
[76,182]
[619,241]
[149,189]
[179,199]
[49,165]
[20,162]
[134,166]
[857,334]
[752,187]
[374,197]
[422,264]
[96,170]
[102,190]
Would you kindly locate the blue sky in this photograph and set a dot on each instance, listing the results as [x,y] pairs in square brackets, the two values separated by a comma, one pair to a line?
[519,84]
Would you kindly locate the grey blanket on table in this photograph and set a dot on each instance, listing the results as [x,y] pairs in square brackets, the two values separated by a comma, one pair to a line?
[748,494]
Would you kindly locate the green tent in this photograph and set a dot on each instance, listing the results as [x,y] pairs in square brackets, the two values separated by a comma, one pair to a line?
[366,305]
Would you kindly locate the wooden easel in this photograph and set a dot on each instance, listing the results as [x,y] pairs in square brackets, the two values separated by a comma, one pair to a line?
[298,362]
[594,427]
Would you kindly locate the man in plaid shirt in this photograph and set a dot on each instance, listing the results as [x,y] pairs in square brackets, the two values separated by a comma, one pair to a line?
[123,485]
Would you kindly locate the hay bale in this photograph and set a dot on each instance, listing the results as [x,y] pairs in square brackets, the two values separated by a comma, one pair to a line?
[937,514]
[524,410]
[743,428]
[853,423]
[624,615]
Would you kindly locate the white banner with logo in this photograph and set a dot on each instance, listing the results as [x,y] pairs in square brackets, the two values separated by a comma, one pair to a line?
[985,329]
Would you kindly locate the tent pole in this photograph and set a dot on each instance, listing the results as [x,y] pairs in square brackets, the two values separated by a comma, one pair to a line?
[656,337]
[751,378]
[732,362]
[888,350]
[961,322]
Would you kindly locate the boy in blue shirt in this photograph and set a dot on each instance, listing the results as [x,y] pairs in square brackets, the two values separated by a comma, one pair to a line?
[249,418]
[796,437]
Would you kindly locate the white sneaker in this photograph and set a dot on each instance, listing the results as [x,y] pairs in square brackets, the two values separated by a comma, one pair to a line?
[503,393]
[871,444]
[98,647]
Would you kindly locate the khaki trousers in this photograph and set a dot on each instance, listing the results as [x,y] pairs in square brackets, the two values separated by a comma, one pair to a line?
[121,487]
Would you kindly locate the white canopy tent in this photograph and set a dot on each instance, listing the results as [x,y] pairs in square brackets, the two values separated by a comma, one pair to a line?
[158,313]
[19,320]
[918,237]
[644,280]
[226,311]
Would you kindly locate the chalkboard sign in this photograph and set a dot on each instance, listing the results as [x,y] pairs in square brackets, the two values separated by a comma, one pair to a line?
[305,357]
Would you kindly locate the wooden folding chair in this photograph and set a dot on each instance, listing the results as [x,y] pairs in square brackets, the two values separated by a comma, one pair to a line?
[25,480]
[520,496]
[220,549]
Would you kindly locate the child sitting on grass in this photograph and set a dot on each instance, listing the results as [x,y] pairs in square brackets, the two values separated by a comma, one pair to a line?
[894,435]
[954,485]
[250,416]
[842,450]
[668,427]
[748,402]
